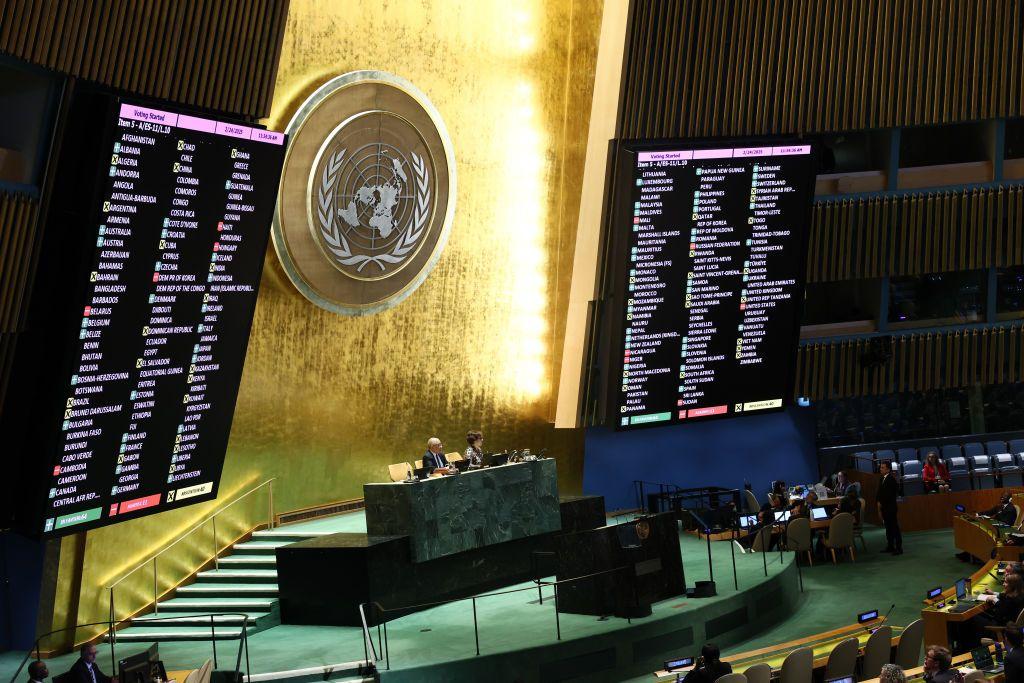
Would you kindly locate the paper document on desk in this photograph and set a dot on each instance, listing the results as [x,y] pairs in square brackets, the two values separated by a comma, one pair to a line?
[988,598]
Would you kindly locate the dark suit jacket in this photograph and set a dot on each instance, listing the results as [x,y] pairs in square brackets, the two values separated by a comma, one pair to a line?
[1006,514]
[79,673]
[708,674]
[1015,666]
[888,491]
[430,460]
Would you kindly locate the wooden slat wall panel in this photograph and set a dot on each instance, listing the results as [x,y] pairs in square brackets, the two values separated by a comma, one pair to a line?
[743,67]
[211,54]
[919,362]
[18,221]
[931,232]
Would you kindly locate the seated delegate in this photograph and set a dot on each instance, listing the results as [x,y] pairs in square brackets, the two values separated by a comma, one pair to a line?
[934,474]
[1003,608]
[1003,512]
[475,451]
[434,459]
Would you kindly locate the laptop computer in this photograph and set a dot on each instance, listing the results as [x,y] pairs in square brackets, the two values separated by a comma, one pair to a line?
[984,662]
[495,459]
[781,516]
[460,465]
[748,521]
[421,473]
[818,514]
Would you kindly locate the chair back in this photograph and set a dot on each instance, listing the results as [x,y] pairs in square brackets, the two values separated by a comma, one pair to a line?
[973,448]
[980,463]
[911,469]
[951,451]
[908,652]
[903,454]
[454,457]
[885,454]
[840,531]
[798,666]
[843,659]
[973,677]
[798,535]
[762,540]
[1003,461]
[399,471]
[1020,516]
[876,651]
[759,673]
[1020,618]
[1016,446]
[863,461]
[863,508]
[995,447]
[752,505]
[731,678]
[956,464]
[419,463]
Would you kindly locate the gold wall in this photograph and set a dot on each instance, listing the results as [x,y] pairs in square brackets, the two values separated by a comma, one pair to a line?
[327,402]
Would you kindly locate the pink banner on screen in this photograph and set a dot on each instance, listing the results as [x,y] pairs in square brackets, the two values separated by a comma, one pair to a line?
[664,156]
[710,410]
[712,153]
[140,503]
[233,130]
[166,118]
[196,123]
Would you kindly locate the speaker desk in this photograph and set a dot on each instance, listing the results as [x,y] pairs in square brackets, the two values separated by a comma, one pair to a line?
[323,580]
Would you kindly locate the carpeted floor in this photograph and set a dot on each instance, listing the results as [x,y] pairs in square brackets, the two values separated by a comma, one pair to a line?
[832,597]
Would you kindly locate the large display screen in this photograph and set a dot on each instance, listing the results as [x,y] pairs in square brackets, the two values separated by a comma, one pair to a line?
[165,299]
[711,255]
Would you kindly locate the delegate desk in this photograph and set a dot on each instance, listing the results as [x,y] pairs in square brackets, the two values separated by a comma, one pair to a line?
[821,644]
[961,661]
[451,514]
[982,538]
[937,619]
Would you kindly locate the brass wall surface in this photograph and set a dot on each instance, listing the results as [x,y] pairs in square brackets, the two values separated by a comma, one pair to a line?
[326,401]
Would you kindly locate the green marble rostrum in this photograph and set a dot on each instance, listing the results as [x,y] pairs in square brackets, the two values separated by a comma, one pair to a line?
[448,515]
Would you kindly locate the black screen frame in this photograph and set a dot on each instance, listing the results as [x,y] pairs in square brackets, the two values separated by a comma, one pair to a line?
[32,409]
[615,268]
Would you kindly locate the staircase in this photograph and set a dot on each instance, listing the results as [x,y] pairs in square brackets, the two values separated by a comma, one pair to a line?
[245,581]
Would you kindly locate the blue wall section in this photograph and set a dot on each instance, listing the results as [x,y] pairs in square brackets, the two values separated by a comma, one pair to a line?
[21,572]
[755,449]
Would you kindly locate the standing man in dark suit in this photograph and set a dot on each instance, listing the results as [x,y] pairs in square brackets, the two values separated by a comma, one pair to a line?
[85,670]
[434,457]
[1014,653]
[888,492]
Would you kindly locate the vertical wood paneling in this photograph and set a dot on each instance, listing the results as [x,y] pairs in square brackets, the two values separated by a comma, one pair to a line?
[213,54]
[798,66]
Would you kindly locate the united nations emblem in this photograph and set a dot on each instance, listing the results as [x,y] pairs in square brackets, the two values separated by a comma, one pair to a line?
[367,193]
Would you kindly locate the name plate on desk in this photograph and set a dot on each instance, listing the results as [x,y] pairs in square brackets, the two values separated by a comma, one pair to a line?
[452,514]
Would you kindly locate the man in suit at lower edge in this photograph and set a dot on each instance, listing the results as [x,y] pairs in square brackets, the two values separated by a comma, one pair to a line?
[85,670]
[888,492]
[1014,661]
[434,457]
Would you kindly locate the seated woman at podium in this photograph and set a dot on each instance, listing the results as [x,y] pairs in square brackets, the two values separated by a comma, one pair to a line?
[475,452]
[1003,608]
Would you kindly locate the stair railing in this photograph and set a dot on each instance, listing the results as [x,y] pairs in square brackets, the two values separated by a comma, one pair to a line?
[211,520]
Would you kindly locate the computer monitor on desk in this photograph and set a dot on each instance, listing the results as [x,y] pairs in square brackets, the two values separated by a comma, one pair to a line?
[962,586]
[142,667]
[495,459]
[781,516]
[818,514]
[748,521]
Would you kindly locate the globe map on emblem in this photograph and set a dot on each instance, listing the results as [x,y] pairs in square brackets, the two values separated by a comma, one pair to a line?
[373,197]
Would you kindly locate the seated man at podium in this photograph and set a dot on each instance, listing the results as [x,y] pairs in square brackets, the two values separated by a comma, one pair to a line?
[434,458]
[1003,512]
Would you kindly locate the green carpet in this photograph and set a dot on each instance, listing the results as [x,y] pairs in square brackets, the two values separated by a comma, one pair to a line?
[420,642]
